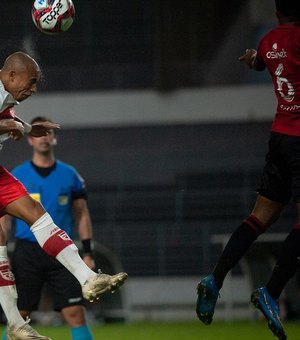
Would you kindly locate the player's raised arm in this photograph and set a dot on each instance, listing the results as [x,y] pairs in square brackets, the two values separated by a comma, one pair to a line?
[40,129]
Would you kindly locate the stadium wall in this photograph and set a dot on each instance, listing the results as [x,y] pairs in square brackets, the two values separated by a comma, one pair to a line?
[134,108]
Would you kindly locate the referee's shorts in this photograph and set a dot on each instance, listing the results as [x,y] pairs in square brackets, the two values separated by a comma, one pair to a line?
[33,268]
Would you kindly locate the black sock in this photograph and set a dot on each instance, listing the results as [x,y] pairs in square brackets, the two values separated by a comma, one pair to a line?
[287,264]
[239,242]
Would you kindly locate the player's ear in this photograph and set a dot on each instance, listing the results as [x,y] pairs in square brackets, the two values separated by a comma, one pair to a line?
[12,75]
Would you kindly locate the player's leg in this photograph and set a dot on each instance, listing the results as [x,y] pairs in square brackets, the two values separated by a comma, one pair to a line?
[264,213]
[8,293]
[288,261]
[266,298]
[17,326]
[56,243]
[273,195]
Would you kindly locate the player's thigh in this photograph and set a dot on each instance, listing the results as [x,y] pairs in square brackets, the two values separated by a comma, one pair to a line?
[74,315]
[64,288]
[26,209]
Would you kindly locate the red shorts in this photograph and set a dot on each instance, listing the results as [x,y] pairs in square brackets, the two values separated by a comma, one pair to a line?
[10,189]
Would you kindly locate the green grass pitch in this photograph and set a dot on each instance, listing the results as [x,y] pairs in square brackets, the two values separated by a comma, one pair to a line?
[255,330]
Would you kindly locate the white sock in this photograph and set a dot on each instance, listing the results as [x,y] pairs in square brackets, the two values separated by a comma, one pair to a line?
[70,259]
[55,242]
[8,293]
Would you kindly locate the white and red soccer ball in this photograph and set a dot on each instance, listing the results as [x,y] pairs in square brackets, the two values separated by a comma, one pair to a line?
[53,16]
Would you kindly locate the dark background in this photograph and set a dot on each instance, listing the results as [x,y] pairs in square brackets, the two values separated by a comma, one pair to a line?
[115,44]
[156,193]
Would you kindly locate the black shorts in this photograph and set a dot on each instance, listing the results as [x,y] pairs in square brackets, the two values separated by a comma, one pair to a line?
[33,268]
[281,175]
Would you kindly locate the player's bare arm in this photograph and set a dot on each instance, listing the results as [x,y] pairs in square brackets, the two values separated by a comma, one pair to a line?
[15,129]
[251,60]
[40,129]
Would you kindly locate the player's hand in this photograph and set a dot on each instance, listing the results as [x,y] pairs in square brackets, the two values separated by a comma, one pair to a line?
[89,261]
[40,129]
[249,57]
[13,128]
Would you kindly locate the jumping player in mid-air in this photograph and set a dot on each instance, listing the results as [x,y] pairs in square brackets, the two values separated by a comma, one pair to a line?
[279,52]
[18,81]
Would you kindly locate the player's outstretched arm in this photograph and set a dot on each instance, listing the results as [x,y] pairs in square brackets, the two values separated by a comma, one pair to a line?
[251,60]
[40,129]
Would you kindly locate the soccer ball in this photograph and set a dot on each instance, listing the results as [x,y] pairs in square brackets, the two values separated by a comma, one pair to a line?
[53,16]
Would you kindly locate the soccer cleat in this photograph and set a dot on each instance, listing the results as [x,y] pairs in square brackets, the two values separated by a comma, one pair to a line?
[270,309]
[24,332]
[95,286]
[208,294]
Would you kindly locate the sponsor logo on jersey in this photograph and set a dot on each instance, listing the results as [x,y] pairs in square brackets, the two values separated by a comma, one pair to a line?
[275,53]
[290,107]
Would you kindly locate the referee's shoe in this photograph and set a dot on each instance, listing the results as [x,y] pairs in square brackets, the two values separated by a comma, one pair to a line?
[208,294]
[270,309]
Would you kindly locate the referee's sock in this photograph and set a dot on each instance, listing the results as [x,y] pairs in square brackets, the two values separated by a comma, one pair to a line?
[287,264]
[239,242]
[81,333]
[4,334]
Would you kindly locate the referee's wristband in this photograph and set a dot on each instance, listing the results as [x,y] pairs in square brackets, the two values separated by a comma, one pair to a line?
[87,248]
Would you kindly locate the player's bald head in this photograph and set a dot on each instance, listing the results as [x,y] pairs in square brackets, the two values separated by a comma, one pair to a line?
[19,75]
[20,62]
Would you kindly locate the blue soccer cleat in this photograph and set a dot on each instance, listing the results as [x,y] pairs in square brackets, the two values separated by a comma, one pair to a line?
[270,309]
[208,294]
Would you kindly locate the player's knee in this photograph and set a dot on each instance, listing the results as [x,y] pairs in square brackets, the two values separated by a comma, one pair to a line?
[3,238]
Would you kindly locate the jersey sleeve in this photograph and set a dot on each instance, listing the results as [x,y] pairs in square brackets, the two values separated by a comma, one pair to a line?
[79,188]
